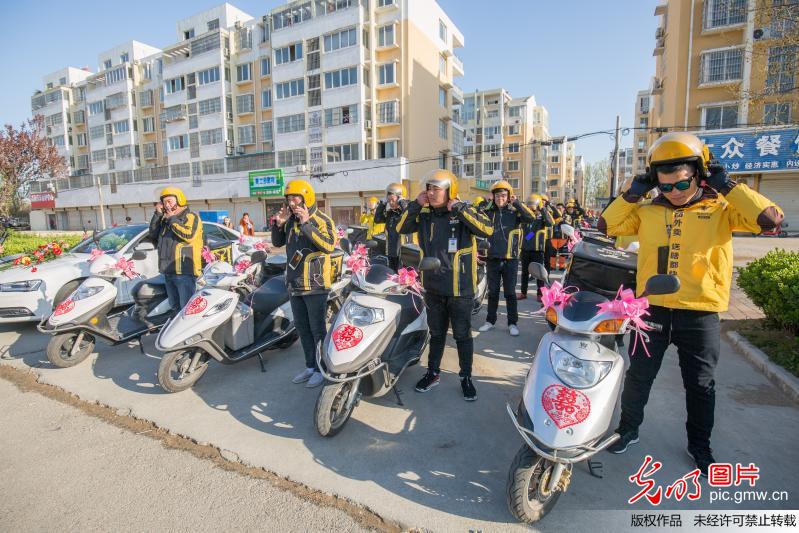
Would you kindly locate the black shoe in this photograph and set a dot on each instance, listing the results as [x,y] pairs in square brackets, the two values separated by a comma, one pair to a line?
[428,381]
[624,442]
[469,392]
[703,458]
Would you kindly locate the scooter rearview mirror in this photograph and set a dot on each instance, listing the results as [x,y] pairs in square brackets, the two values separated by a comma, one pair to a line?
[430,263]
[567,230]
[345,245]
[258,256]
[371,244]
[538,271]
[662,284]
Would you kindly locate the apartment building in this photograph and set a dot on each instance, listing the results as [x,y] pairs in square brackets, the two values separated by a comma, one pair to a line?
[643,106]
[313,89]
[726,69]
[499,144]
[561,185]
[626,165]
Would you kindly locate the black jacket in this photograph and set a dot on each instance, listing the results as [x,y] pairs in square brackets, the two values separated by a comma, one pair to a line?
[506,240]
[390,217]
[574,219]
[308,248]
[179,240]
[536,233]
[435,227]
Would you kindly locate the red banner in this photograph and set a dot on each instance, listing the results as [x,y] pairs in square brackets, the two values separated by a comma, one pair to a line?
[42,200]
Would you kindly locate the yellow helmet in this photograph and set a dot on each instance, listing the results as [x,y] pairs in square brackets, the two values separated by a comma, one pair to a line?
[177,193]
[396,188]
[501,185]
[372,202]
[301,188]
[478,201]
[534,200]
[442,178]
[677,148]
[545,197]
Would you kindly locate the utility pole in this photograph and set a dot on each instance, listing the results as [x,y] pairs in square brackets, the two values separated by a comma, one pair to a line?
[100,194]
[615,172]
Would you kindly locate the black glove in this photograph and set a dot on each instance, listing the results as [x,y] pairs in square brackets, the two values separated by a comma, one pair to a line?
[642,184]
[719,179]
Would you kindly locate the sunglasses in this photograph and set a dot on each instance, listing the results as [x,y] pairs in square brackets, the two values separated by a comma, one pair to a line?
[683,185]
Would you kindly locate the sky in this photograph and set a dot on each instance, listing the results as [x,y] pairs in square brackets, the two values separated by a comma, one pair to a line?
[584,60]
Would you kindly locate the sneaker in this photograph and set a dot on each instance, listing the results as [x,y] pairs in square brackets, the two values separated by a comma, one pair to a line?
[514,331]
[428,381]
[469,392]
[521,295]
[488,326]
[621,445]
[315,380]
[303,376]
[702,459]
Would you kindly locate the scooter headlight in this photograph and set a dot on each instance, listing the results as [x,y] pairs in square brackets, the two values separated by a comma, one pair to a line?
[218,308]
[575,372]
[358,315]
[83,292]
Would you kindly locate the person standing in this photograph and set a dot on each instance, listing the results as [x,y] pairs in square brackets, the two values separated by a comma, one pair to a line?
[447,229]
[507,214]
[368,219]
[573,214]
[309,237]
[245,225]
[534,240]
[686,231]
[388,213]
[227,223]
[178,236]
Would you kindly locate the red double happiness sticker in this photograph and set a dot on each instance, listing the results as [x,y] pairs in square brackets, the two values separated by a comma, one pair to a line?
[64,307]
[566,407]
[346,336]
[196,305]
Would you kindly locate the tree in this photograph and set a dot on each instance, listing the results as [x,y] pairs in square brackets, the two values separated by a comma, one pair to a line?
[25,156]
[596,181]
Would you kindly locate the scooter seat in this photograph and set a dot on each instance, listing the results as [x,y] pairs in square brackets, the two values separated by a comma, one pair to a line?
[147,290]
[269,296]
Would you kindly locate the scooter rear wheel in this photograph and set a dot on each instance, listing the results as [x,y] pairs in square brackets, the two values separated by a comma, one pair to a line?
[332,413]
[174,374]
[60,349]
[529,473]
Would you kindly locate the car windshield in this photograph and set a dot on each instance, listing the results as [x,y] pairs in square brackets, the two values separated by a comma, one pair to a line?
[109,241]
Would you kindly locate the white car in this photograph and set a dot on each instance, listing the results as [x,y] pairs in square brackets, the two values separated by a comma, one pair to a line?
[31,296]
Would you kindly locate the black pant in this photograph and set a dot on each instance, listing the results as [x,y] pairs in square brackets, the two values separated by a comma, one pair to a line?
[697,337]
[531,256]
[441,312]
[309,318]
[505,271]
[393,263]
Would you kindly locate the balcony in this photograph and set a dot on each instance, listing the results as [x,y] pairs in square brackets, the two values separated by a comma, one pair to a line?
[660,47]
[457,66]
[457,94]
[657,86]
[174,113]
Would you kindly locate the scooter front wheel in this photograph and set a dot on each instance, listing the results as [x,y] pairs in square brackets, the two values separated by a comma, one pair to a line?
[529,500]
[63,352]
[178,371]
[333,407]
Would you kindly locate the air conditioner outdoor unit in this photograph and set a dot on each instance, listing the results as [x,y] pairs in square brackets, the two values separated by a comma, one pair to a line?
[240,150]
[230,115]
[762,33]
[368,124]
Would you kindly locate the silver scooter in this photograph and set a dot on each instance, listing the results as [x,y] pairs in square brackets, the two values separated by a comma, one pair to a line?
[569,397]
[380,331]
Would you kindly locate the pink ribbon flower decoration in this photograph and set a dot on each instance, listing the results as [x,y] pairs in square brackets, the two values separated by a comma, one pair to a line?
[574,239]
[242,265]
[126,267]
[627,306]
[261,245]
[554,295]
[358,261]
[408,278]
[341,233]
[95,254]
[208,255]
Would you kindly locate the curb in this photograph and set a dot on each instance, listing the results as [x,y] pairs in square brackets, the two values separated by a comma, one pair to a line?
[783,379]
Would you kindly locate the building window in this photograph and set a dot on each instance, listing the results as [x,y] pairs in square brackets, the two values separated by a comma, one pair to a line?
[266,98]
[774,114]
[175,85]
[442,129]
[385,35]
[246,135]
[491,166]
[341,78]
[513,148]
[122,152]
[82,139]
[98,156]
[121,126]
[148,124]
[388,112]
[292,158]
[386,74]
[337,116]
[293,15]
[244,72]
[442,65]
[267,133]
[643,123]
[718,13]
[383,3]
[492,150]
[442,30]
[213,25]
[468,169]
[721,65]
[288,54]
[97,132]
[123,58]
[442,97]
[342,152]
[781,71]
[291,123]
[188,34]
[341,39]
[211,136]
[266,66]
[288,89]
[208,76]
[513,166]
[245,103]
[96,108]
[515,111]
[212,105]
[178,142]
[107,64]
[386,149]
[720,117]
[642,144]
[643,105]
[514,129]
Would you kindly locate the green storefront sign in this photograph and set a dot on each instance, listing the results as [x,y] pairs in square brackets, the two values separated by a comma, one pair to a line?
[266,183]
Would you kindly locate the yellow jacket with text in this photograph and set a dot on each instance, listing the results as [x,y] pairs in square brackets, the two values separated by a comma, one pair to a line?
[308,248]
[693,242]
[368,220]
